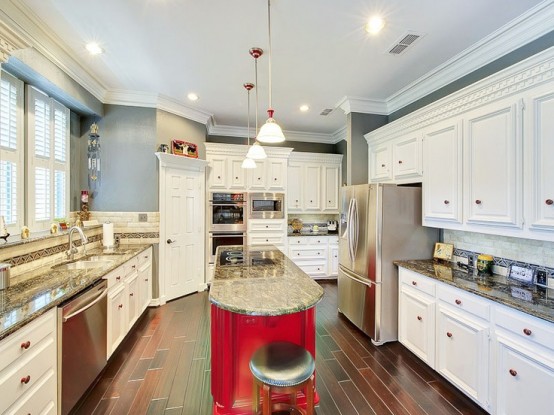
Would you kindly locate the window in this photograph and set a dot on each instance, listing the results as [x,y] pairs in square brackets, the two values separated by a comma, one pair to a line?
[11,152]
[47,160]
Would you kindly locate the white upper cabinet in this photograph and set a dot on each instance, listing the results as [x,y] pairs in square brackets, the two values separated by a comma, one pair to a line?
[313,182]
[540,126]
[442,173]
[407,157]
[257,176]
[237,173]
[217,172]
[276,174]
[494,165]
[380,162]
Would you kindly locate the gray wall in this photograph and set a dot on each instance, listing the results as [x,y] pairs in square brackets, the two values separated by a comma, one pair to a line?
[296,145]
[129,181]
[342,148]
[356,126]
[173,127]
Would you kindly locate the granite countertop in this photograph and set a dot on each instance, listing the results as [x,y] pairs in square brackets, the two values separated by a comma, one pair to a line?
[47,287]
[320,233]
[533,300]
[273,288]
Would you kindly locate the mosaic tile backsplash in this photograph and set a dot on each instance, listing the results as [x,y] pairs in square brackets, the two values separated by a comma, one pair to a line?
[505,250]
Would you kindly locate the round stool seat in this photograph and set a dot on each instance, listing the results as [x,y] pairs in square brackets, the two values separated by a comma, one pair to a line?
[282,364]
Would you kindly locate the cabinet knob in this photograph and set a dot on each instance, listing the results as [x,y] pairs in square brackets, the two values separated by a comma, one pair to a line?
[319,253]
[26,345]
[146,279]
[549,202]
[118,278]
[267,226]
[478,202]
[219,177]
[447,202]
[527,332]
[399,161]
[26,379]
[259,178]
[236,177]
[131,294]
[145,256]
[414,283]
[458,302]
[419,318]
[120,306]
[267,240]
[275,178]
[296,200]
[170,241]
[449,334]
[298,254]
[513,372]
[133,266]
[311,201]
[382,165]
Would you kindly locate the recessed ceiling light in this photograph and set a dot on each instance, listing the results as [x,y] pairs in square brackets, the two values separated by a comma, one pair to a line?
[374,25]
[304,108]
[94,48]
[192,96]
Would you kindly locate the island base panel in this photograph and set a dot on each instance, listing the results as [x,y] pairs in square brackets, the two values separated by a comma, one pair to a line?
[234,338]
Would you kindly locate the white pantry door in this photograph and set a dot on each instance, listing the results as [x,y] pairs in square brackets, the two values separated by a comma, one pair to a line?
[182,195]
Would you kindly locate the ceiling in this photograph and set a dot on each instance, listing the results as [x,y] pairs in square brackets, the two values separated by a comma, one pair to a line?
[322,56]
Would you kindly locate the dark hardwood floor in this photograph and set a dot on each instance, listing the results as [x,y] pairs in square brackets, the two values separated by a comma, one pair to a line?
[163,367]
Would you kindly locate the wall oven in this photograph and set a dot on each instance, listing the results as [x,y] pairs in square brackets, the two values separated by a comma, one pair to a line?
[227,212]
[216,239]
[267,205]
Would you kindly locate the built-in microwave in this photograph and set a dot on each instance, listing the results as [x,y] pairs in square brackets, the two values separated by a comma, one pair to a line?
[266,205]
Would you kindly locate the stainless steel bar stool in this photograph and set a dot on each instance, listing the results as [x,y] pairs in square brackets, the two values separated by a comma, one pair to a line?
[286,368]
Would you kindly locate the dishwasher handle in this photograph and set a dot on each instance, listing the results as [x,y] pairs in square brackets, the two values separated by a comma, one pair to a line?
[102,294]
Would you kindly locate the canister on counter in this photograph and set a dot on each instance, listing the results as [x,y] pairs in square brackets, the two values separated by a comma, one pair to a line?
[484,264]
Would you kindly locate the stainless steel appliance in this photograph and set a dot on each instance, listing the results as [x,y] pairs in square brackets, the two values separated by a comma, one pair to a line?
[227,212]
[379,223]
[267,205]
[216,239]
[82,343]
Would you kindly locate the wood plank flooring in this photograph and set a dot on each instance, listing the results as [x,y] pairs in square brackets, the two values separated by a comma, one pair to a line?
[163,367]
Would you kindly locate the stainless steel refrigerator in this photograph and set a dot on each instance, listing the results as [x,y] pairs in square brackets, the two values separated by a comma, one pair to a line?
[379,223]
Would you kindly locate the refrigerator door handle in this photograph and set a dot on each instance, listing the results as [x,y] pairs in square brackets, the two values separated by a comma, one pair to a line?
[349,230]
[354,277]
[356,229]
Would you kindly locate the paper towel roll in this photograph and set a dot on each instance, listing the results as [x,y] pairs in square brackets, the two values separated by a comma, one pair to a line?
[108,239]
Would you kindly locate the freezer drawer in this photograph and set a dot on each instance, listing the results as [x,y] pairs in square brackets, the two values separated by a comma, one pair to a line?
[357,300]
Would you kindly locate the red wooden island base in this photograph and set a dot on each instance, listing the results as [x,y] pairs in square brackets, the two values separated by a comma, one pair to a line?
[235,337]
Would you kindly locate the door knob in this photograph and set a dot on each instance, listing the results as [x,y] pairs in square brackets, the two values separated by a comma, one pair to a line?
[170,241]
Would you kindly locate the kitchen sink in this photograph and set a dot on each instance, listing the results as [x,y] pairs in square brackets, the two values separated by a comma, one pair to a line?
[96,258]
[84,265]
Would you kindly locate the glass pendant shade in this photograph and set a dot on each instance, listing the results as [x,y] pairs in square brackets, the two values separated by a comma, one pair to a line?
[271,132]
[248,163]
[256,152]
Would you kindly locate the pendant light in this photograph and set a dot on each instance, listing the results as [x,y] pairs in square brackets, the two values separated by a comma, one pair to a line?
[270,131]
[248,163]
[256,152]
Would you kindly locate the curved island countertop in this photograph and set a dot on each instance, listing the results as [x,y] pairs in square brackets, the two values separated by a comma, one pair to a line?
[266,283]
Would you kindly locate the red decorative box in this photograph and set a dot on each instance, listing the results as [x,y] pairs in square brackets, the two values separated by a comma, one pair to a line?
[184,148]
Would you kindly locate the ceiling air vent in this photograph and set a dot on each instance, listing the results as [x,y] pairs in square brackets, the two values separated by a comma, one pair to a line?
[406,40]
[326,111]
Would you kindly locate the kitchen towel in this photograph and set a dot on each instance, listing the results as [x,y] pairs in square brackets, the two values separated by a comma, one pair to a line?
[108,239]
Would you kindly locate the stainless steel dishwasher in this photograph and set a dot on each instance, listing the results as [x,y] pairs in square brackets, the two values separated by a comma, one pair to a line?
[82,328]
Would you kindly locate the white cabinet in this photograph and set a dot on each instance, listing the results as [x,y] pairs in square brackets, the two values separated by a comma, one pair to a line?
[442,174]
[333,259]
[30,354]
[267,232]
[313,183]
[407,158]
[540,126]
[237,175]
[314,254]
[269,174]
[416,316]
[380,162]
[117,317]
[145,279]
[493,165]
[225,172]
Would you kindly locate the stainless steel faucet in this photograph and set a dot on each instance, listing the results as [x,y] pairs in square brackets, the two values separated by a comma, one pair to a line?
[72,248]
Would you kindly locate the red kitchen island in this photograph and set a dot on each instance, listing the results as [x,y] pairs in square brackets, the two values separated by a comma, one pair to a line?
[258,296]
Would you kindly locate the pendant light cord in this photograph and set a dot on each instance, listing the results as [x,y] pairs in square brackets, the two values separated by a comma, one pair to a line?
[256,78]
[248,128]
[269,56]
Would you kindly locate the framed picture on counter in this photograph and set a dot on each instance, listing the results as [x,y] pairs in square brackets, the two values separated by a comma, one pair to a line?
[443,251]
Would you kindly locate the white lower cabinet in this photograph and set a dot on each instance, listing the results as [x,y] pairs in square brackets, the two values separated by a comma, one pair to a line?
[28,368]
[333,268]
[500,357]
[267,232]
[313,254]
[117,318]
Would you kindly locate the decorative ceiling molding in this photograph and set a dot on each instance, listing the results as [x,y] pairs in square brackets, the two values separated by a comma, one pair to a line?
[529,26]
[241,150]
[10,41]
[362,105]
[316,157]
[340,135]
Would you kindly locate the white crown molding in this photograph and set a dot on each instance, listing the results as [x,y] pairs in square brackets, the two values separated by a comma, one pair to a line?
[529,73]
[241,150]
[340,135]
[10,41]
[316,157]
[22,20]
[529,26]
[178,108]
[181,162]
[362,105]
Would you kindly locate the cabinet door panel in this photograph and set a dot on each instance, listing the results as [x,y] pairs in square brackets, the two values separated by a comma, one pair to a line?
[257,176]
[277,173]
[331,189]
[294,188]
[442,174]
[407,158]
[237,174]
[463,352]
[524,380]
[542,197]
[416,324]
[494,166]
[217,172]
[380,163]
[312,187]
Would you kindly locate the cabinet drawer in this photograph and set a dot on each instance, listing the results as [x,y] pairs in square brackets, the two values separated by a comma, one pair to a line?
[299,240]
[131,266]
[313,269]
[463,301]
[266,239]
[144,257]
[26,371]
[267,225]
[417,281]
[525,326]
[23,342]
[333,240]
[41,399]
[308,253]
[116,276]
